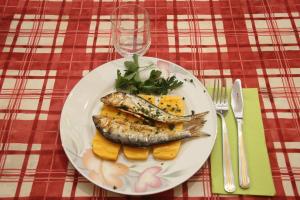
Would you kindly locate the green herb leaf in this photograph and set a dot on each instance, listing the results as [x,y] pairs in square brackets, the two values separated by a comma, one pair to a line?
[121,82]
[155,84]
[155,74]
[130,76]
[131,66]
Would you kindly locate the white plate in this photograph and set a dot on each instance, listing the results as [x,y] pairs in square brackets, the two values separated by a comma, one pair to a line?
[125,176]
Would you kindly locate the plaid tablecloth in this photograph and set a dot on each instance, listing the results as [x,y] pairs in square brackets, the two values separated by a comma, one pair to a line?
[48,46]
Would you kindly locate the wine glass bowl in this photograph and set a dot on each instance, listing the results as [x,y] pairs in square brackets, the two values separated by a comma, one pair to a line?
[131,30]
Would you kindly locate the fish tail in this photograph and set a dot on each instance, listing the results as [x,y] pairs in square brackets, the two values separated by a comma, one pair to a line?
[195,125]
[199,115]
[198,132]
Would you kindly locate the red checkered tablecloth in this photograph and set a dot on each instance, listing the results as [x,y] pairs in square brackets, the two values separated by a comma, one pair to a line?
[47,46]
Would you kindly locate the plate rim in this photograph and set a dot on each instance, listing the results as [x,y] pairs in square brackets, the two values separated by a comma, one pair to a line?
[153,191]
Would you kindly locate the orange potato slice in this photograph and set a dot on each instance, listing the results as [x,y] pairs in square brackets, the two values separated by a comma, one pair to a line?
[176,106]
[137,153]
[104,148]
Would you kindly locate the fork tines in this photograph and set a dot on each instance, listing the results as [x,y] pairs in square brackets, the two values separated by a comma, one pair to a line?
[219,91]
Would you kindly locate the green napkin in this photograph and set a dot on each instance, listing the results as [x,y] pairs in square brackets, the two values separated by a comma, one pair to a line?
[261,182]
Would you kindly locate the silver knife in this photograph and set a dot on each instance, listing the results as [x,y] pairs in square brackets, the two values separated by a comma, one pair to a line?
[237,105]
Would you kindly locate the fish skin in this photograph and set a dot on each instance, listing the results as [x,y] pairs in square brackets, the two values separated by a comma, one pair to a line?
[140,135]
[141,108]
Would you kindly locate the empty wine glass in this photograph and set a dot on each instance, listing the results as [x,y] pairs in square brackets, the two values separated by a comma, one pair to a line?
[131,30]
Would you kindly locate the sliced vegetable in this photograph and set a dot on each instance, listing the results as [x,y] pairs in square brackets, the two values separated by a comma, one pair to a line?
[173,105]
[104,148]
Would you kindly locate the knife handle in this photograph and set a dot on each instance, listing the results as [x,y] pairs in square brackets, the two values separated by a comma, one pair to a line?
[228,176]
[244,179]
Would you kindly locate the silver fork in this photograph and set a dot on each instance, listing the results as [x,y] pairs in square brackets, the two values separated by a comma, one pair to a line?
[221,104]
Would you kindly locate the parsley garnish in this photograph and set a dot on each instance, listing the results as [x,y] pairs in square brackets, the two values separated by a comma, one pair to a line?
[131,82]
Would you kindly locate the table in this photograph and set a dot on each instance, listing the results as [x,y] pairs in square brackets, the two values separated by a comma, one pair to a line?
[48,46]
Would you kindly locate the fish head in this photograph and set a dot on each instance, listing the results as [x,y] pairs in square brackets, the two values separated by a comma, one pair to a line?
[100,121]
[114,99]
[96,119]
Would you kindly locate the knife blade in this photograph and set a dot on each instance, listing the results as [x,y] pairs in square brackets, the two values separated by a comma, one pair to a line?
[237,104]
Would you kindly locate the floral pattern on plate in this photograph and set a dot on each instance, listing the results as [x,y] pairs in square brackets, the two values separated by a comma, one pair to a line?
[115,174]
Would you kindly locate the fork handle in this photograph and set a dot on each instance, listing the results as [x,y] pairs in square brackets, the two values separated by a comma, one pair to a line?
[244,179]
[228,176]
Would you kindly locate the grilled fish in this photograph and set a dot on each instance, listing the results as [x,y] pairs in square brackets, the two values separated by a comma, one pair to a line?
[141,108]
[141,135]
